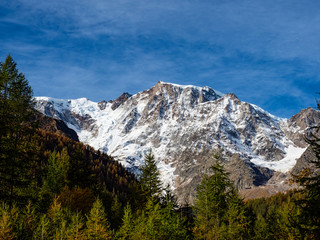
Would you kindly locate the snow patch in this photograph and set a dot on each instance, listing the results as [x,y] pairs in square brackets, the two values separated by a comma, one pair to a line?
[174,126]
[284,165]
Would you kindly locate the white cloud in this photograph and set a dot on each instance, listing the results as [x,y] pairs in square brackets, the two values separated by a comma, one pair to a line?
[248,47]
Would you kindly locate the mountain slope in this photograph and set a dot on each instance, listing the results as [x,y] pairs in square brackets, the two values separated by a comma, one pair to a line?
[55,126]
[185,126]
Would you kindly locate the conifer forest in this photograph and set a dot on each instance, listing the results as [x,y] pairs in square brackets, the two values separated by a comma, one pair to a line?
[55,187]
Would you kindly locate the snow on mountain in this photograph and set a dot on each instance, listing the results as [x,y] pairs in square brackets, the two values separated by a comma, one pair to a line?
[184,126]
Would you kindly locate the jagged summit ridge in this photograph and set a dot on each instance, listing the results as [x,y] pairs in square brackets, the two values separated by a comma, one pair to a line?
[196,94]
[184,126]
[120,100]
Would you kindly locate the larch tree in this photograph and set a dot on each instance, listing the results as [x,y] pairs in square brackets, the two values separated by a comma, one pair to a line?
[15,114]
[97,225]
[127,228]
[218,206]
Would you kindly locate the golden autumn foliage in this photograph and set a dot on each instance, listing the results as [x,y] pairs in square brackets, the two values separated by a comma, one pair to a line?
[76,199]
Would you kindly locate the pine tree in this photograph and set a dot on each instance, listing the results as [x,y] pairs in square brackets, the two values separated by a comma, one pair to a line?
[237,221]
[157,222]
[43,229]
[58,220]
[75,229]
[57,169]
[116,213]
[8,219]
[147,222]
[80,173]
[28,222]
[127,228]
[172,223]
[15,111]
[216,206]
[150,176]
[211,202]
[97,224]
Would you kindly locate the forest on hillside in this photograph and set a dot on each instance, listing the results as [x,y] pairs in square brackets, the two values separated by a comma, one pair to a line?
[53,187]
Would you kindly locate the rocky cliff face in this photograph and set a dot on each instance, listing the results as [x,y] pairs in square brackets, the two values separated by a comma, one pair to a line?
[184,126]
[299,123]
[54,125]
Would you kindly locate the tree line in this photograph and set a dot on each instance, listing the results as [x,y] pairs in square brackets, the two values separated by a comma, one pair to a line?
[52,187]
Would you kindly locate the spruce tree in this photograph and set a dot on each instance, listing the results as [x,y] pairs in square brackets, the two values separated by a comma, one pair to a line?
[155,222]
[15,112]
[216,203]
[211,202]
[150,176]
[116,213]
[57,168]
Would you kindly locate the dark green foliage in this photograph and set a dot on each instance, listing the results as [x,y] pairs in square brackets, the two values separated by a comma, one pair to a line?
[52,187]
[126,230]
[79,172]
[219,210]
[57,169]
[15,98]
[276,216]
[153,222]
[150,176]
[15,135]
[97,225]
[116,213]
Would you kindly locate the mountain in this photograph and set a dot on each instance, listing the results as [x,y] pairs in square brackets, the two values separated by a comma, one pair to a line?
[55,126]
[185,126]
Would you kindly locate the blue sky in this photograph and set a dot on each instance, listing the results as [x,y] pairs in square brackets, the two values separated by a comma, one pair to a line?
[266,52]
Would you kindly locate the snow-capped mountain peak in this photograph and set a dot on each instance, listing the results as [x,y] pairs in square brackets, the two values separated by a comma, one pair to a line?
[184,126]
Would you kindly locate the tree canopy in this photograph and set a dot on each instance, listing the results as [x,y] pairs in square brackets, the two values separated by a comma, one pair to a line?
[150,176]
[15,134]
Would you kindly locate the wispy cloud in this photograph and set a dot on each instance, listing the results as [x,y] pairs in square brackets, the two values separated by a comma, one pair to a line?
[266,52]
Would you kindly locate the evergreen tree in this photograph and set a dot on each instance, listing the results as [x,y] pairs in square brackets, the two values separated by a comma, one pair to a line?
[216,206]
[97,224]
[150,176]
[58,220]
[15,111]
[75,229]
[43,229]
[8,218]
[57,169]
[126,230]
[237,220]
[116,213]
[28,222]
[169,198]
[172,223]
[79,173]
[211,202]
[157,222]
